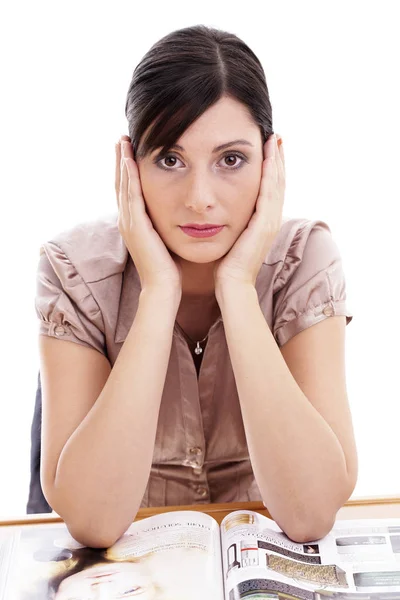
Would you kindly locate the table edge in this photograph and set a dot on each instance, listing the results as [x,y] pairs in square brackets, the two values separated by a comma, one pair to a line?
[211,509]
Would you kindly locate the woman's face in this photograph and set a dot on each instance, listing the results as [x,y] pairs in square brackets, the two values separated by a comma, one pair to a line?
[116,581]
[198,183]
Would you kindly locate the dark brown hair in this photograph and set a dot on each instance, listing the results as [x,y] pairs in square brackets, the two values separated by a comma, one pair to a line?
[182,75]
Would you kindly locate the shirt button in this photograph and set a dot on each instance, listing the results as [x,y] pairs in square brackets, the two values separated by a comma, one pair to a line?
[202,492]
[328,311]
[196,451]
[197,470]
[59,330]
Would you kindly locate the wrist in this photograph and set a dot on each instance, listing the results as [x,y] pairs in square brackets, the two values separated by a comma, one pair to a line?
[233,290]
[162,297]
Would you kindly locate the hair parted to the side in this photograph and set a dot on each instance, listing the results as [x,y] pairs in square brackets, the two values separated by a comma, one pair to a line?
[185,73]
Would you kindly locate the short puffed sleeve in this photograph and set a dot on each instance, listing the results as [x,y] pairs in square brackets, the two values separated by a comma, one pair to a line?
[311,284]
[64,304]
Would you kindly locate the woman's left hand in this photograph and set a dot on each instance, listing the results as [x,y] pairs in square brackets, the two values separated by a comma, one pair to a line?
[244,260]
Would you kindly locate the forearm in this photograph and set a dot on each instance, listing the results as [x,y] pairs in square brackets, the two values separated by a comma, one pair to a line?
[104,467]
[298,462]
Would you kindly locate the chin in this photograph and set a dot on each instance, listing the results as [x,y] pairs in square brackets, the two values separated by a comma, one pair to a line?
[200,254]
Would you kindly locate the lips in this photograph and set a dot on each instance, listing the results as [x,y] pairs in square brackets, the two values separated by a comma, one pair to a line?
[197,230]
[201,226]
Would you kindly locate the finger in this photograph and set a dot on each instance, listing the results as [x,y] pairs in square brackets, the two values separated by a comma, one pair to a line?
[279,156]
[119,151]
[270,165]
[118,165]
[135,189]
[269,178]
[135,200]
[271,162]
[127,146]
[117,170]
[268,150]
[273,148]
[123,192]
[282,155]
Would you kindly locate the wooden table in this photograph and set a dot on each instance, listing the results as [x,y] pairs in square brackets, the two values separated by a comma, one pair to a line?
[373,507]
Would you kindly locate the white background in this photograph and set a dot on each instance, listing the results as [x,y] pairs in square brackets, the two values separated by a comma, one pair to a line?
[332,69]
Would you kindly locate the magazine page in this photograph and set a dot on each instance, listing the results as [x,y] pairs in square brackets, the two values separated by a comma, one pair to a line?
[260,561]
[369,551]
[171,556]
[6,550]
[363,541]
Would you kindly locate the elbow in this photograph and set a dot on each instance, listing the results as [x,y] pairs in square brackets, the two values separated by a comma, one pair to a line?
[90,531]
[307,525]
[100,538]
[314,528]
[316,523]
[95,535]
[311,523]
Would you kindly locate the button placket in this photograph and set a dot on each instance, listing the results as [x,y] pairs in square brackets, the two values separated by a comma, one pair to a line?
[194,453]
[202,492]
[195,458]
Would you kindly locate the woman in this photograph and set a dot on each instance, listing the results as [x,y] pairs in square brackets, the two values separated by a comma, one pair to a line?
[206,361]
[175,574]
[93,573]
[106,580]
[180,563]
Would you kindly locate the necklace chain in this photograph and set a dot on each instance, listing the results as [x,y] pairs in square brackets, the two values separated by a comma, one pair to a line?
[198,350]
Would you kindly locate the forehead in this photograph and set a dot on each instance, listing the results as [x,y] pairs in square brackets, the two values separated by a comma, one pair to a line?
[224,121]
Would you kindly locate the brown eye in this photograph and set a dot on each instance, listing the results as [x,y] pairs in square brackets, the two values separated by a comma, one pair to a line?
[231,160]
[168,162]
[168,159]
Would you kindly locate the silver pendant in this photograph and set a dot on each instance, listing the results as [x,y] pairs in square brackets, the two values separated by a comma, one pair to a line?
[198,350]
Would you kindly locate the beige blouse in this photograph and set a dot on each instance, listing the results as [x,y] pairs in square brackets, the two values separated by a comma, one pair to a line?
[88,291]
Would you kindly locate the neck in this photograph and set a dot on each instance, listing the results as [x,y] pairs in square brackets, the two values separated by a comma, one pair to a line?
[198,298]
[197,281]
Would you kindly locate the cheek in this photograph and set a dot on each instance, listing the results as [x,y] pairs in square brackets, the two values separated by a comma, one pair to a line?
[252,181]
[153,196]
[149,188]
[246,194]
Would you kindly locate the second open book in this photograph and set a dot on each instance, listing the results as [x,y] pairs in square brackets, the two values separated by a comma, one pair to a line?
[187,555]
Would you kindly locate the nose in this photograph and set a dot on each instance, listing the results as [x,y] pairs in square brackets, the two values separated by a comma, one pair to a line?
[199,195]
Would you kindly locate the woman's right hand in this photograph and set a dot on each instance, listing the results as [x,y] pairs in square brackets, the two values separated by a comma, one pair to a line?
[156,267]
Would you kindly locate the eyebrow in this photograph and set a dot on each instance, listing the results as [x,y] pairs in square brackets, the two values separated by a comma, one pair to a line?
[218,148]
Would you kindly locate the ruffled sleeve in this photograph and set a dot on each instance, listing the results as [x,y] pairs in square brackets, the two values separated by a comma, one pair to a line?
[64,304]
[311,284]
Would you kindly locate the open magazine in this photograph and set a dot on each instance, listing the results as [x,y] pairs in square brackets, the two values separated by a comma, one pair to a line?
[186,555]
